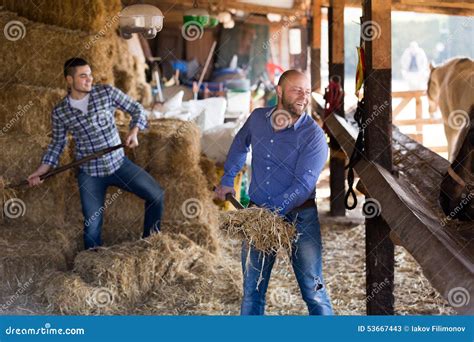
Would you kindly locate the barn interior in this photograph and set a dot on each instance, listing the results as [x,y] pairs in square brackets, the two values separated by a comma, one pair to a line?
[396,252]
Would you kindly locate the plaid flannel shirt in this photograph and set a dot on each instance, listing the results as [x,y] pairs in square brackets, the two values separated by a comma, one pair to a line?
[93,131]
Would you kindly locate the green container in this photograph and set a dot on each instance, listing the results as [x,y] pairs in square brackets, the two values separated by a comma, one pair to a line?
[201,20]
[213,21]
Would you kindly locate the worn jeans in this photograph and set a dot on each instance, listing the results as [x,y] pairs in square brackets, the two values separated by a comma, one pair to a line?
[129,177]
[306,261]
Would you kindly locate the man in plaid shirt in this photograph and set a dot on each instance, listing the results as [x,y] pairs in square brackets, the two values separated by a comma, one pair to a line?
[88,113]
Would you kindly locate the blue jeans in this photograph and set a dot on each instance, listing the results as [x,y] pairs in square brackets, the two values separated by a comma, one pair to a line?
[306,261]
[129,177]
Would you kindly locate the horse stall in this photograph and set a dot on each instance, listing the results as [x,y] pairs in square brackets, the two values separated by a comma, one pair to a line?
[399,254]
[404,183]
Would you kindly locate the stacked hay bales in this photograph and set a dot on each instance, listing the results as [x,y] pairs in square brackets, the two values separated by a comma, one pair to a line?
[21,155]
[27,109]
[38,57]
[166,273]
[33,51]
[81,15]
[129,73]
[34,236]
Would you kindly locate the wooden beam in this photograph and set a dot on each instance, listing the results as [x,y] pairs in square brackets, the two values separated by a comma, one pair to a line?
[336,71]
[447,261]
[421,6]
[376,35]
[316,46]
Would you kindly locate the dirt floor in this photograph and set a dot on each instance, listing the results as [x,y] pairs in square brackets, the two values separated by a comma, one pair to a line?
[344,271]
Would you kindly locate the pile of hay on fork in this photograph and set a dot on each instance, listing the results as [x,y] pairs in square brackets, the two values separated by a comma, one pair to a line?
[266,231]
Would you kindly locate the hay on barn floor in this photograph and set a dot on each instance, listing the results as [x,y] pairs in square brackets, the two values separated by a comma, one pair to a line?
[95,15]
[265,230]
[27,109]
[21,155]
[38,57]
[166,269]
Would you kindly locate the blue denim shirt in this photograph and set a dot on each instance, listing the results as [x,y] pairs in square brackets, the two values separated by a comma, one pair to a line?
[285,164]
[93,131]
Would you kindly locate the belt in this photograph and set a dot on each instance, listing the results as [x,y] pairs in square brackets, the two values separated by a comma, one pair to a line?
[309,203]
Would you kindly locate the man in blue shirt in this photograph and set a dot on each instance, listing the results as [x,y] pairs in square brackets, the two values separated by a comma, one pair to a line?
[88,113]
[289,151]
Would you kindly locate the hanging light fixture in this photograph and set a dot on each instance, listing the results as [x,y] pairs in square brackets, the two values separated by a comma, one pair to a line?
[144,19]
[196,15]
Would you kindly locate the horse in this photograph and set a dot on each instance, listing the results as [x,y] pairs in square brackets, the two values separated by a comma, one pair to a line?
[457,187]
[450,87]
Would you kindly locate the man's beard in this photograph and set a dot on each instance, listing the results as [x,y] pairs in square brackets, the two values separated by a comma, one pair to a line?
[292,108]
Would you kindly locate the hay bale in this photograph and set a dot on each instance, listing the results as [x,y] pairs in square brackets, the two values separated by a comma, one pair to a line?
[93,15]
[208,167]
[38,57]
[67,294]
[165,269]
[170,146]
[129,73]
[46,204]
[27,109]
[263,229]
[28,251]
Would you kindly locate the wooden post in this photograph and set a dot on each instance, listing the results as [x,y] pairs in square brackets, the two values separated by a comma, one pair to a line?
[336,70]
[376,32]
[316,46]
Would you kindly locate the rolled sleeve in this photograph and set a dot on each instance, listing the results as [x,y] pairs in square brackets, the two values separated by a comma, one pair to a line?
[130,106]
[58,142]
